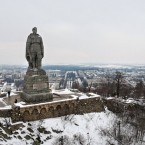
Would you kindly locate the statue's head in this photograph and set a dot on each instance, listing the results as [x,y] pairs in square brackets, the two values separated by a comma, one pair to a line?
[34,30]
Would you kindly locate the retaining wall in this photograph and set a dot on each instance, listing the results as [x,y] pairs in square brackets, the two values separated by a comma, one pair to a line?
[5,112]
[57,109]
[129,109]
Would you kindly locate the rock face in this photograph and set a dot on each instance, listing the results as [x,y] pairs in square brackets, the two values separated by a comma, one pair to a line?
[36,86]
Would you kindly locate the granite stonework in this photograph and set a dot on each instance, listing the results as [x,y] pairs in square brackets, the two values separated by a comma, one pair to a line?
[36,86]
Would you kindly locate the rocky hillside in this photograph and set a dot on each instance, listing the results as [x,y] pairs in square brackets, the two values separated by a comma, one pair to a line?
[103,128]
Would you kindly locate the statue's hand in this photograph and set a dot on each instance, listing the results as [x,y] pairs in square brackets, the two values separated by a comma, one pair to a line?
[29,59]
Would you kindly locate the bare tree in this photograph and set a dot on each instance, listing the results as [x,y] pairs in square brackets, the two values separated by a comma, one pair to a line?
[106,86]
[122,134]
[119,80]
[139,90]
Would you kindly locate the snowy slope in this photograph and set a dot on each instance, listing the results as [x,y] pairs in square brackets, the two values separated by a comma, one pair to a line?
[72,130]
[87,127]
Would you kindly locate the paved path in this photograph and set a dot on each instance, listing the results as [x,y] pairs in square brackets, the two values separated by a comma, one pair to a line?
[11,100]
[2,104]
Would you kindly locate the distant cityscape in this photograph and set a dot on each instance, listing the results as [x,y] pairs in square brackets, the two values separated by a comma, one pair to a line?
[81,77]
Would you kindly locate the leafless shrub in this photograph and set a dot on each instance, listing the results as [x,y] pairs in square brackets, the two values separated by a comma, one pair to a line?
[79,139]
[68,119]
[62,140]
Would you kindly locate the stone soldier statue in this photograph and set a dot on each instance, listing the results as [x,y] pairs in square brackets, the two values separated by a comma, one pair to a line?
[36,83]
[34,50]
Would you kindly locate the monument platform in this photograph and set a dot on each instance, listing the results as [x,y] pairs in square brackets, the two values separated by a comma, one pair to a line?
[36,86]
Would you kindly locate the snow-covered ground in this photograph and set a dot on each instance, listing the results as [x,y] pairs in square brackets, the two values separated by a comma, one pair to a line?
[62,91]
[74,129]
[84,129]
[87,129]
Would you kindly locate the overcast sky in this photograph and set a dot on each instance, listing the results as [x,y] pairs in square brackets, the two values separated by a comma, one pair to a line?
[74,31]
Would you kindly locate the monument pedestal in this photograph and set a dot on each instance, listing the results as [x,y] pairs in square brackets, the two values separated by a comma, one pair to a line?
[36,86]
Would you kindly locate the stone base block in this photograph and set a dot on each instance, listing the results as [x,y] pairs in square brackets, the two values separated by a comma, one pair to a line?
[41,97]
